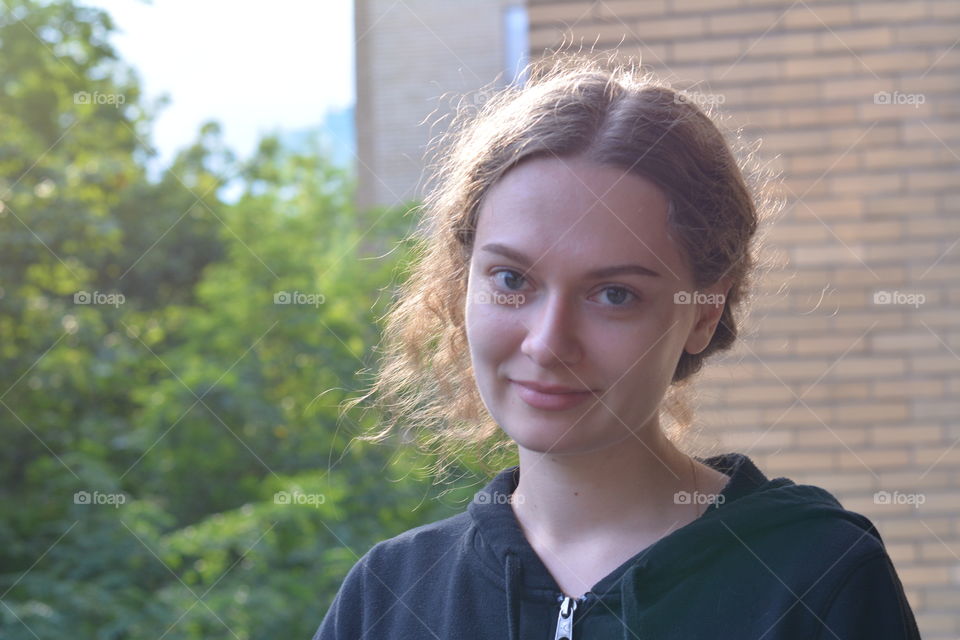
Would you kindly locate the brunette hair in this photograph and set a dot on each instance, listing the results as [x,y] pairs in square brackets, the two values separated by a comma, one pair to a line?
[572,105]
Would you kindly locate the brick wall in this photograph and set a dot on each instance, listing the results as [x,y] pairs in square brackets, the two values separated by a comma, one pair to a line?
[409,54]
[830,386]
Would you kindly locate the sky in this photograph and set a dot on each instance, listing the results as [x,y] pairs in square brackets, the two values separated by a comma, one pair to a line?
[252,65]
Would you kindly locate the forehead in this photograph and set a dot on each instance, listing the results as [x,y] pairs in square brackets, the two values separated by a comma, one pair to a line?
[577,212]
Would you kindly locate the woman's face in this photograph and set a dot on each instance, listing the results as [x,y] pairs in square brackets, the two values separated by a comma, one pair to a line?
[539,309]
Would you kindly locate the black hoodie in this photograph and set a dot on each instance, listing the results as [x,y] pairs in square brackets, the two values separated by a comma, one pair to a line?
[769,560]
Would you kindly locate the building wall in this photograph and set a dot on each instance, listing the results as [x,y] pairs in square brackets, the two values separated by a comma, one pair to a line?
[830,386]
[410,54]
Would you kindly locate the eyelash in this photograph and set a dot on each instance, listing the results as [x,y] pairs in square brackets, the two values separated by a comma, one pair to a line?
[636,296]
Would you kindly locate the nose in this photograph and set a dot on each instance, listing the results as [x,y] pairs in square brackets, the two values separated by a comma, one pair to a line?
[551,338]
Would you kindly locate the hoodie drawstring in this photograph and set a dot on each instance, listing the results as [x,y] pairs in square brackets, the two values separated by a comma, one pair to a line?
[513,584]
[628,598]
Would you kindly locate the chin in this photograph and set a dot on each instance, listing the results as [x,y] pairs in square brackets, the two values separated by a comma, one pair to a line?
[551,438]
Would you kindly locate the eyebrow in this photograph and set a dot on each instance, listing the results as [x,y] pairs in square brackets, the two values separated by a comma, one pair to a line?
[604,272]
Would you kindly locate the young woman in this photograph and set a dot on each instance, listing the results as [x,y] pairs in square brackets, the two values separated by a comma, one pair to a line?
[586,245]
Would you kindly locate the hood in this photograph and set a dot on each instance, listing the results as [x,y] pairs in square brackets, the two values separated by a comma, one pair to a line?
[752,504]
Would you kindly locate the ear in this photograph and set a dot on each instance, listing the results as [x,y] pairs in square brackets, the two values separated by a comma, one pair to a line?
[709,308]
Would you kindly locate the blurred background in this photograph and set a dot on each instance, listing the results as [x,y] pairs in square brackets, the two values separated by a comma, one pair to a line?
[202,217]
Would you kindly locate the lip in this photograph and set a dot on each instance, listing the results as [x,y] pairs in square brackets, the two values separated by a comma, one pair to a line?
[561,401]
[549,388]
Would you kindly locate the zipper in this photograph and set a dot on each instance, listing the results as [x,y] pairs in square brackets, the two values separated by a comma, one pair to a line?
[565,618]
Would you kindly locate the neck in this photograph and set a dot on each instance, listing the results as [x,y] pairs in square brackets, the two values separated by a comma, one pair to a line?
[623,490]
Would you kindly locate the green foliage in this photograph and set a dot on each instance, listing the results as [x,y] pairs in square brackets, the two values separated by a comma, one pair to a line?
[193,396]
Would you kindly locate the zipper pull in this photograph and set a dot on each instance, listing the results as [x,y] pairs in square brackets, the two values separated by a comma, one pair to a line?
[565,619]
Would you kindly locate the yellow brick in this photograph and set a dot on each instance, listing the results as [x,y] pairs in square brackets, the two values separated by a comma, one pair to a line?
[910,480]
[669,28]
[765,117]
[785,463]
[704,5]
[873,158]
[874,459]
[708,50]
[937,551]
[798,232]
[886,276]
[796,414]
[941,458]
[752,23]
[818,66]
[784,92]
[832,207]
[862,137]
[905,434]
[897,204]
[745,70]
[889,319]
[909,388]
[924,251]
[782,142]
[944,10]
[896,61]
[837,391]
[828,255]
[874,182]
[840,482]
[822,115]
[771,440]
[856,40]
[859,88]
[927,575]
[562,12]
[906,342]
[820,437]
[935,364]
[873,230]
[932,180]
[927,34]
[806,369]
[874,412]
[890,12]
[902,553]
[933,227]
[804,15]
[930,132]
[829,345]
[914,529]
[627,9]
[853,366]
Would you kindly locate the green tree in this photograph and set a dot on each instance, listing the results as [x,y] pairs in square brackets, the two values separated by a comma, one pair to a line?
[179,358]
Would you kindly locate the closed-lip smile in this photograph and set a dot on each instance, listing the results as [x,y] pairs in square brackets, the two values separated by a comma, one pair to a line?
[549,388]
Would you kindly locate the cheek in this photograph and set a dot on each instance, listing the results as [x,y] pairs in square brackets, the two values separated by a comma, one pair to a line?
[491,331]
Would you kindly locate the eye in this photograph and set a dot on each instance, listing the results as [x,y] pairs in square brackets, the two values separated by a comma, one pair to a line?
[619,295]
[512,276]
